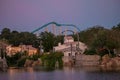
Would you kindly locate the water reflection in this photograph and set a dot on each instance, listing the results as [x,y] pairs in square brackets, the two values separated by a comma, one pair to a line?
[21,74]
[67,73]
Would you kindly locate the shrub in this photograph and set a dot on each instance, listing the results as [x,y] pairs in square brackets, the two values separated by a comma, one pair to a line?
[90,52]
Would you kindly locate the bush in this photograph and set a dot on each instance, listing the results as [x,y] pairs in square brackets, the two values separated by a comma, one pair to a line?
[49,60]
[103,52]
[21,62]
[90,52]
[34,57]
[17,59]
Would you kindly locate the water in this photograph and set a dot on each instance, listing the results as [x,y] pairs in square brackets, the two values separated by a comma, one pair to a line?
[89,73]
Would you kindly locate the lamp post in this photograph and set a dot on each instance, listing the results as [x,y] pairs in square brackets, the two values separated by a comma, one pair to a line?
[1,47]
[0,52]
[71,48]
[78,41]
[40,44]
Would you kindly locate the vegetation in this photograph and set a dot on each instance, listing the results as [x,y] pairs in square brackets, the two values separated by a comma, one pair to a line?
[47,39]
[90,52]
[49,60]
[17,59]
[16,38]
[34,57]
[99,40]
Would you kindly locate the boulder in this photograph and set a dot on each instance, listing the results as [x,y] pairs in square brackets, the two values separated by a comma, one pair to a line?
[110,62]
[105,59]
[36,63]
[116,61]
[28,63]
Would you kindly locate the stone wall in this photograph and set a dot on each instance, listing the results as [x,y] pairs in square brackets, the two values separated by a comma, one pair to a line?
[110,62]
[31,63]
[3,65]
[87,60]
[68,61]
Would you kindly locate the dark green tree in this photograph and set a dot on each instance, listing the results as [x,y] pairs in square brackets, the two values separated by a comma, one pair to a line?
[100,39]
[14,38]
[48,41]
[88,36]
[58,39]
[116,27]
[5,34]
[49,60]
[27,38]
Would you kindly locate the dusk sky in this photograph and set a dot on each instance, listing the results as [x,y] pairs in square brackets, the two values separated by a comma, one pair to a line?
[27,15]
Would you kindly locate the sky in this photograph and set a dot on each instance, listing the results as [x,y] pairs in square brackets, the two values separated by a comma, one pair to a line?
[27,15]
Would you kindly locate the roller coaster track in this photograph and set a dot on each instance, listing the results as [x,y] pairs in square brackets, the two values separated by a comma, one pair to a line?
[68,31]
[58,25]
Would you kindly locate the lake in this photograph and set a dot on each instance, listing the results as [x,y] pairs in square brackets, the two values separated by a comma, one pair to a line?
[67,73]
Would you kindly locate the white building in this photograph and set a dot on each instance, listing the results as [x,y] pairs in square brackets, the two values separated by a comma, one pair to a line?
[70,48]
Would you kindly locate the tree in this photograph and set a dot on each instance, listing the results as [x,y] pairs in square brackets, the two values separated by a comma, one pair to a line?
[116,27]
[14,38]
[90,35]
[58,39]
[5,34]
[27,38]
[100,39]
[49,60]
[48,40]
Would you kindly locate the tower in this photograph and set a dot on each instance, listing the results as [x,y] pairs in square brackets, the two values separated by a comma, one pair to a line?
[54,29]
[46,29]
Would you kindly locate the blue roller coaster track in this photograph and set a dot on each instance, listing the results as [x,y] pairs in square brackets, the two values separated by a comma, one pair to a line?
[67,31]
[58,25]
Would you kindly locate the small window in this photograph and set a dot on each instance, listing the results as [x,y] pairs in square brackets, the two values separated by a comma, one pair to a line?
[69,54]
